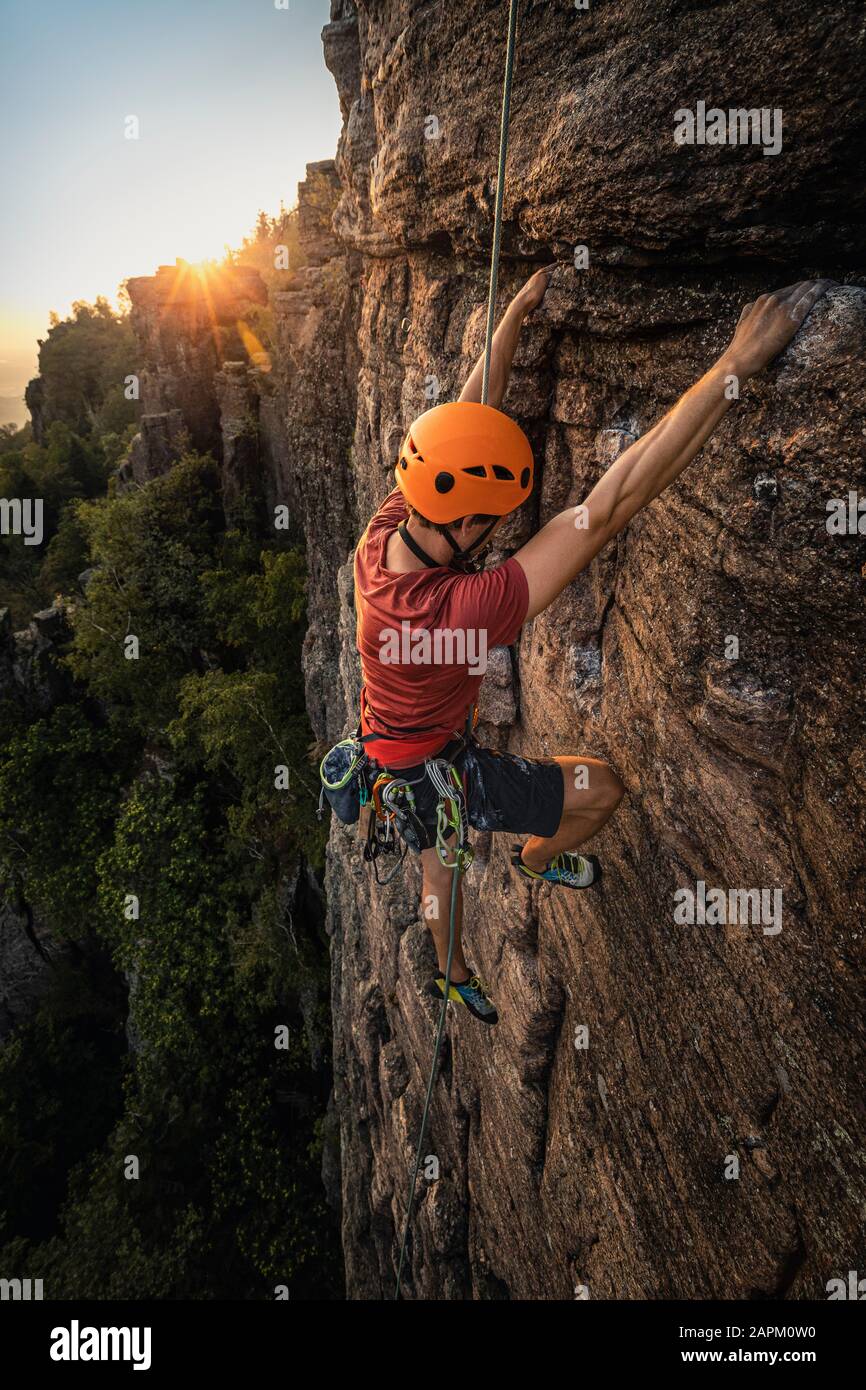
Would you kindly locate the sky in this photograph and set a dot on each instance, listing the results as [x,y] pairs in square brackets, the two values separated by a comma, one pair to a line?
[232,99]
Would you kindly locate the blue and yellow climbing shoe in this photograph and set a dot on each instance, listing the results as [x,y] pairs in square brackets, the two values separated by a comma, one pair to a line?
[569,870]
[471,992]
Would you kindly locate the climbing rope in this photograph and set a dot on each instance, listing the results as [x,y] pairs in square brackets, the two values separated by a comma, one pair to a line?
[452,795]
[455,883]
[500,190]
[451,817]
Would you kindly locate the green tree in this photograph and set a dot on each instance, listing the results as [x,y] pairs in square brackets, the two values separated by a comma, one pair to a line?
[60,782]
[148,548]
[84,360]
[14,437]
[141,821]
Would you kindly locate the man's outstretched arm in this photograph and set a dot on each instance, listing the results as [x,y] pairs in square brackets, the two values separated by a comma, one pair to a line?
[505,341]
[559,551]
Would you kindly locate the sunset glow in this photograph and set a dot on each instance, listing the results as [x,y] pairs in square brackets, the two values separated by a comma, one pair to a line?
[231,101]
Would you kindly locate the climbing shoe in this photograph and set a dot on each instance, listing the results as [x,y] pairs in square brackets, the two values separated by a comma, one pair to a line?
[471,993]
[570,870]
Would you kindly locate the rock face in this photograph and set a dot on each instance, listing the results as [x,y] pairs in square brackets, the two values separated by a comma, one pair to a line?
[30,673]
[307,417]
[665,1110]
[712,655]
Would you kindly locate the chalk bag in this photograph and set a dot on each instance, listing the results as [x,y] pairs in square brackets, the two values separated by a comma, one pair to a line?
[342,777]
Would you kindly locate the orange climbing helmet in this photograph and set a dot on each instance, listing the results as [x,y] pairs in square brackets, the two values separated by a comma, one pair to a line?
[464,459]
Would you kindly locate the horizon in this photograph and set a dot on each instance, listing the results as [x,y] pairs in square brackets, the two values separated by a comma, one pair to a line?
[232,103]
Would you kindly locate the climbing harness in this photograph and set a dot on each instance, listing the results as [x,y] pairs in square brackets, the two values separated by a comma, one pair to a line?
[451,812]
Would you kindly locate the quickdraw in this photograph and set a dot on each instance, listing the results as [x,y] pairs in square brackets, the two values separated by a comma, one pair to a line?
[451,816]
[388,820]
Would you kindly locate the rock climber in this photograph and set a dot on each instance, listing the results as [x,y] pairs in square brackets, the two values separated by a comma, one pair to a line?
[462,469]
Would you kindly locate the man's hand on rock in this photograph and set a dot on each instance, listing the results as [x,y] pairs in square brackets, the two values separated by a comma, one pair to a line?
[535,289]
[768,325]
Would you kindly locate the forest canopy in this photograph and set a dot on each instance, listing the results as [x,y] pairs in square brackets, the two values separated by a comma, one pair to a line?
[163,1107]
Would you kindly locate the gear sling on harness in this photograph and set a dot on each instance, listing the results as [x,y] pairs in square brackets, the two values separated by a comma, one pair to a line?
[351,780]
[341,772]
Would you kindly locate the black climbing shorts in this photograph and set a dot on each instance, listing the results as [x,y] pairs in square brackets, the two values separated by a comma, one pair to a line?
[523,796]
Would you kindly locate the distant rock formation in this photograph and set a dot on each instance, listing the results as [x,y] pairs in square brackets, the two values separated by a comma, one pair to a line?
[186,325]
[713,654]
[30,674]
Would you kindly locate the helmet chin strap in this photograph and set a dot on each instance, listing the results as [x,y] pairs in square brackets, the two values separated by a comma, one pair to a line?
[461,559]
[464,558]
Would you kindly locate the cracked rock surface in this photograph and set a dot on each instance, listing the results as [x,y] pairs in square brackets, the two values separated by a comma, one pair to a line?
[604,1165]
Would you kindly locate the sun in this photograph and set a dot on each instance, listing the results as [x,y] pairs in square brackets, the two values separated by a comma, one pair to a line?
[214,280]
[205,269]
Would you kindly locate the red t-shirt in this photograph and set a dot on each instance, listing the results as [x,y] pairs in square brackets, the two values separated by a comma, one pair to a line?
[424,638]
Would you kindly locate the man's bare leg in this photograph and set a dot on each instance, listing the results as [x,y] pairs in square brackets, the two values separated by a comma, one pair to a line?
[585,809]
[436,908]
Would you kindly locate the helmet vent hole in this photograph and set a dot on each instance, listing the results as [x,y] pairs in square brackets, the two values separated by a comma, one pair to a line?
[444,482]
[504,475]
[477,472]
[524,478]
